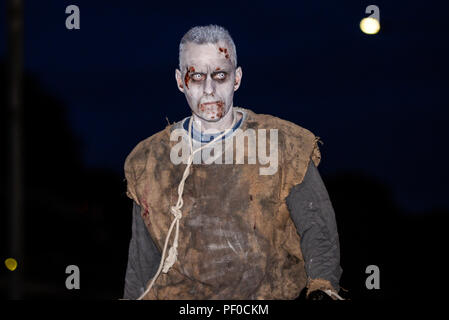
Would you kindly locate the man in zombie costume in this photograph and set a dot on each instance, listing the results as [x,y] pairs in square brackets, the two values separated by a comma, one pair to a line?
[244,230]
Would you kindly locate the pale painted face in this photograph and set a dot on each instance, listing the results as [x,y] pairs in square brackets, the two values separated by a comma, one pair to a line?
[208,80]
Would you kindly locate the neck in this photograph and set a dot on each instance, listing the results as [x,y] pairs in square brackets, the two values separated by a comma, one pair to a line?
[224,123]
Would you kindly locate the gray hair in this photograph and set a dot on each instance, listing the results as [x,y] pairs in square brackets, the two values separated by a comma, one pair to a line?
[208,34]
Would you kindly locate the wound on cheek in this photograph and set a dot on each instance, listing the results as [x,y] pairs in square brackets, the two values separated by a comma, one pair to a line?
[220,105]
[187,76]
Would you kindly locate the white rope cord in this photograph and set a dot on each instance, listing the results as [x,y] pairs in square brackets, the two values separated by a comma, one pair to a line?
[331,293]
[176,210]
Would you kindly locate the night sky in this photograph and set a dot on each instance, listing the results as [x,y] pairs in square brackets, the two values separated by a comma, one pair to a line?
[378,102]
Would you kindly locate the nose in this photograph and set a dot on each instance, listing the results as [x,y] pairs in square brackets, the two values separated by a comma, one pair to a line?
[209,87]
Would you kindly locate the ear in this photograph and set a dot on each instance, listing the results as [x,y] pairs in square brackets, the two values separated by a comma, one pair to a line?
[238,78]
[179,82]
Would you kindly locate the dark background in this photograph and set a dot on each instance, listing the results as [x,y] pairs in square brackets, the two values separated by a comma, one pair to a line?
[379,104]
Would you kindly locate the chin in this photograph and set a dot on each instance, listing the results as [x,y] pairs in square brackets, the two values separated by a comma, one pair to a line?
[208,118]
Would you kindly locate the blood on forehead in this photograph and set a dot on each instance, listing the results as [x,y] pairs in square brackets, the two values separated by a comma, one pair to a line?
[224,51]
[208,58]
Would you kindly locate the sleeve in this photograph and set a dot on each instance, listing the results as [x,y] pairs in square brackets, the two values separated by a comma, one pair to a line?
[312,212]
[143,257]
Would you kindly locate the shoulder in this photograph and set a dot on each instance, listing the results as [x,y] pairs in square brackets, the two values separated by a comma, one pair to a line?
[140,158]
[144,148]
[292,137]
[272,122]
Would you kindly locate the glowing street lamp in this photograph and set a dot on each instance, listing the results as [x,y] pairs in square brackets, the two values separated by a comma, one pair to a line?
[371,24]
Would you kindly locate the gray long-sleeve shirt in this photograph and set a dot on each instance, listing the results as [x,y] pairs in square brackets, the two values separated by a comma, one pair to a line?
[311,211]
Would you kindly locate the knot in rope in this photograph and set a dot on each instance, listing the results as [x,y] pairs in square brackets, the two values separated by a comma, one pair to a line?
[176,212]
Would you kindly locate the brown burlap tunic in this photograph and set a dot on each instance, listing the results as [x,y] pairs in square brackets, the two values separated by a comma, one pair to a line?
[237,239]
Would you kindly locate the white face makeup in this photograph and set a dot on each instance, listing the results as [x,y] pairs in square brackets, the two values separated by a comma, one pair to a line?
[208,80]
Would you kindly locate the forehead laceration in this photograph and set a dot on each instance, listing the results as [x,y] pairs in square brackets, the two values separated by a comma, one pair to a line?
[209,34]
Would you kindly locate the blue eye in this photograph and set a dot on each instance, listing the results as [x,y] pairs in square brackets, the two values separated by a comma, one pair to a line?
[220,76]
[198,76]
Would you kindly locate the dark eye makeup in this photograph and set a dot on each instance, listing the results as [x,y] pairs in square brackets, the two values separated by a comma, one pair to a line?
[218,76]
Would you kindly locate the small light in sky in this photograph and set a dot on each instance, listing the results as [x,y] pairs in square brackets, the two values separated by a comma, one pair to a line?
[370,25]
[11,264]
